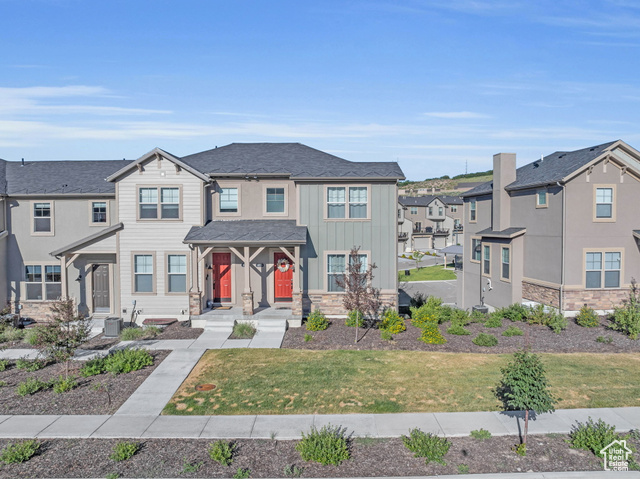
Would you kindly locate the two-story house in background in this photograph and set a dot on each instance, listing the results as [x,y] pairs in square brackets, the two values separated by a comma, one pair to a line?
[561,231]
[264,225]
[435,221]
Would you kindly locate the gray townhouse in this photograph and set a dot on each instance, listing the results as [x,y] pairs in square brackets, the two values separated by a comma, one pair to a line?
[247,225]
[562,231]
[429,222]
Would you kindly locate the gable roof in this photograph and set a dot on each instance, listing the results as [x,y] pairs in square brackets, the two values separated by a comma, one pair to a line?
[156,152]
[551,169]
[428,199]
[286,159]
[58,177]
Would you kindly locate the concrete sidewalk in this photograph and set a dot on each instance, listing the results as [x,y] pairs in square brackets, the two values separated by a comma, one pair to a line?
[150,425]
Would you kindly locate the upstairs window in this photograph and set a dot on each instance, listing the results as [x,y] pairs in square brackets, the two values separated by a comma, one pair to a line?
[275,200]
[472,211]
[163,204]
[99,212]
[486,260]
[541,198]
[506,261]
[604,202]
[430,210]
[42,217]
[414,210]
[347,202]
[440,211]
[454,208]
[228,200]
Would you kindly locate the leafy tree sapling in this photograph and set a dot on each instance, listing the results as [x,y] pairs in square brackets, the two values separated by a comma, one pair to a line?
[356,282]
[524,386]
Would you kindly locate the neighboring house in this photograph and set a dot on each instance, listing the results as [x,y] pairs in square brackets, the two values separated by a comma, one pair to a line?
[247,225]
[562,231]
[436,220]
[405,231]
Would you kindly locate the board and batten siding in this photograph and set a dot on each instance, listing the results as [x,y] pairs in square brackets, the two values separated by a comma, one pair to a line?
[156,237]
[376,235]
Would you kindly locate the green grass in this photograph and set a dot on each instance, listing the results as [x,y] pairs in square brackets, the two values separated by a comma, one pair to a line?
[428,273]
[285,381]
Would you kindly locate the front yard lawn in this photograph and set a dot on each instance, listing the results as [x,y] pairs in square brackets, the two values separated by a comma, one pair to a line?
[428,273]
[283,381]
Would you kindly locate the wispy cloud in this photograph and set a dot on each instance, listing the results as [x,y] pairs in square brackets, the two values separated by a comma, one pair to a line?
[463,115]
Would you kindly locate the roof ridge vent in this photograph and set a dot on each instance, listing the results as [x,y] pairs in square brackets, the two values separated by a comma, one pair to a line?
[592,148]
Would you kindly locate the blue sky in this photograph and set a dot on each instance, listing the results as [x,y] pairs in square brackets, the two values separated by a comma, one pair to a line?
[432,84]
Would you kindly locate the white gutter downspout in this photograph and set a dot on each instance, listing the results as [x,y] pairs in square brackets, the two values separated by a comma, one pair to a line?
[564,230]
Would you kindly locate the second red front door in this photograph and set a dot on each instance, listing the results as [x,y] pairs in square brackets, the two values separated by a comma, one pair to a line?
[283,279]
[221,267]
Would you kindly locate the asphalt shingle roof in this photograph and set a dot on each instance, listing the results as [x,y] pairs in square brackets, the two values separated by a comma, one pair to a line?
[248,231]
[60,177]
[552,168]
[295,159]
[425,200]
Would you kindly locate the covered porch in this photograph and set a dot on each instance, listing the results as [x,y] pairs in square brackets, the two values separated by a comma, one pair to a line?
[247,265]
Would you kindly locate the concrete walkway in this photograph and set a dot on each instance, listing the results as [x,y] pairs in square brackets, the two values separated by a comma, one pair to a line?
[146,423]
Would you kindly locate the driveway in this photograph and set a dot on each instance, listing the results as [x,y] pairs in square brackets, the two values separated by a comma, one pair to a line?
[442,289]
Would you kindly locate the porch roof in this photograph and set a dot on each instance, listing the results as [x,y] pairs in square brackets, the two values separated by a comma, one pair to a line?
[88,240]
[248,232]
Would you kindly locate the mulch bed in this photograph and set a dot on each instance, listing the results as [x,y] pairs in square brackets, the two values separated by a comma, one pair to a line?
[178,330]
[268,458]
[541,339]
[90,397]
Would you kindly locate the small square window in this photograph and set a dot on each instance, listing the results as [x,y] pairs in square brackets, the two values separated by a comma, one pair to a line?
[228,200]
[275,200]
[42,218]
[541,198]
[99,212]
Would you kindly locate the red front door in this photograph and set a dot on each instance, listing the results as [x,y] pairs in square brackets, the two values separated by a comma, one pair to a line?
[283,280]
[221,266]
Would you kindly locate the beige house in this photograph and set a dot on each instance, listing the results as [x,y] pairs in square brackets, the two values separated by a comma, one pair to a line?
[561,231]
[436,222]
[251,226]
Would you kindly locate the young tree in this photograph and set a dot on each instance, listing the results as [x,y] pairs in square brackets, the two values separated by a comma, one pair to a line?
[525,387]
[359,295]
[417,257]
[59,339]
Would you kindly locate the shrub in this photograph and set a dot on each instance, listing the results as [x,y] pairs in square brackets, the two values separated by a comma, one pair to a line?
[20,452]
[307,338]
[626,318]
[494,320]
[417,300]
[592,436]
[515,312]
[92,367]
[463,468]
[32,336]
[392,322]
[587,317]
[191,467]
[63,385]
[242,473]
[427,445]
[124,450]
[4,364]
[557,322]
[292,470]
[355,319]
[603,339]
[486,340]
[386,335]
[512,331]
[31,386]
[480,434]
[30,365]
[12,334]
[431,334]
[458,329]
[445,313]
[329,445]
[222,452]
[317,321]
[460,316]
[127,360]
[538,314]
[477,317]
[132,334]
[243,330]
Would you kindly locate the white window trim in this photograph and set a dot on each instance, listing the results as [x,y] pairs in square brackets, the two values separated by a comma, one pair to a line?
[159,203]
[265,187]
[346,186]
[346,263]
[91,222]
[167,274]
[502,278]
[486,245]
[473,202]
[546,197]
[603,251]
[154,274]
[471,259]
[216,198]
[52,219]
[613,204]
[43,283]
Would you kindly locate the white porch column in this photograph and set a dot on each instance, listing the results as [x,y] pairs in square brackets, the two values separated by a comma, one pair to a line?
[63,277]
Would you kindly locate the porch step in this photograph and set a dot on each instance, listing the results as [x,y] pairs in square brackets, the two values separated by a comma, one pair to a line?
[219,325]
[271,325]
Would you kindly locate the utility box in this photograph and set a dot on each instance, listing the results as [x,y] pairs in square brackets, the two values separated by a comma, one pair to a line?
[112,327]
[481,308]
